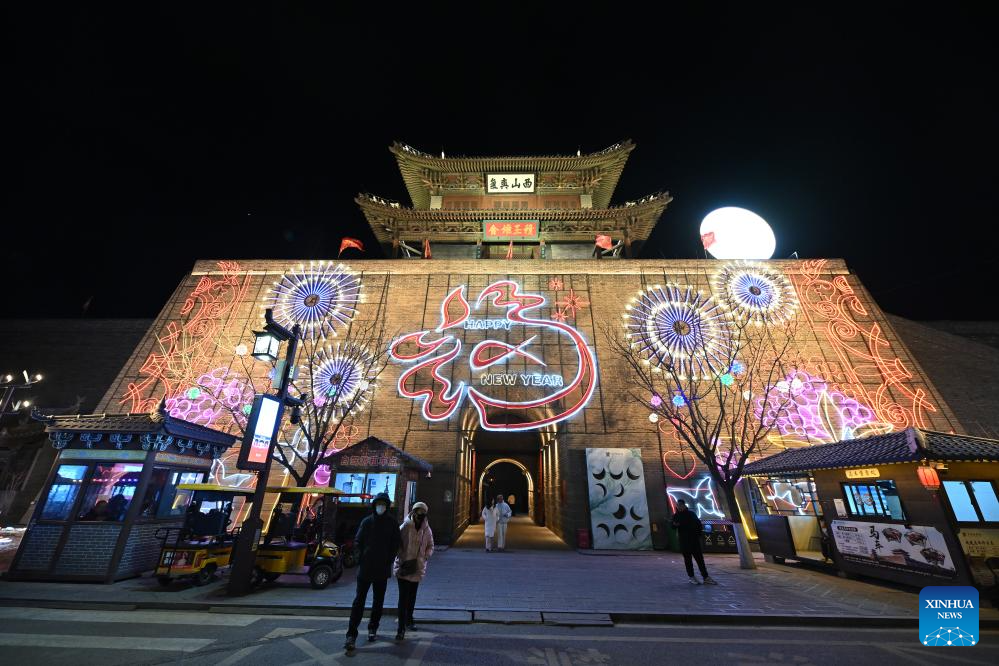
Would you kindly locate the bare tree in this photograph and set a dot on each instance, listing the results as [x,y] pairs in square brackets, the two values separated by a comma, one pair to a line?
[722,387]
[337,379]
[336,375]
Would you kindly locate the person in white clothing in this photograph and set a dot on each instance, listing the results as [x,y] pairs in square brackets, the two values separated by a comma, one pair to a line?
[503,513]
[489,521]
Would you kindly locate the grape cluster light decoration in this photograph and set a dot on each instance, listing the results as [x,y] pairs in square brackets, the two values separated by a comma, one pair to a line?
[756,293]
[679,328]
[318,299]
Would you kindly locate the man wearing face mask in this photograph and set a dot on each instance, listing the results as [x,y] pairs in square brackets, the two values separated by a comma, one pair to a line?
[411,564]
[378,543]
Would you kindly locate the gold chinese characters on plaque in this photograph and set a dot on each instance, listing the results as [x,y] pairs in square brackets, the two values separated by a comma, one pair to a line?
[863,473]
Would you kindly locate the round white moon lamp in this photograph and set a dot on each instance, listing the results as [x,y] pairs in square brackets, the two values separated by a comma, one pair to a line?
[737,233]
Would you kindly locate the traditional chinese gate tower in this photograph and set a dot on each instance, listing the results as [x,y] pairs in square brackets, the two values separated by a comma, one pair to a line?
[502,374]
[551,207]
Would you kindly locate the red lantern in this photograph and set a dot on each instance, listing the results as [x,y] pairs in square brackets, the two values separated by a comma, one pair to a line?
[928,477]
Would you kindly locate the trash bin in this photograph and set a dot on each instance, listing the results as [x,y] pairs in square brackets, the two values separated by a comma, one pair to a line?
[583,538]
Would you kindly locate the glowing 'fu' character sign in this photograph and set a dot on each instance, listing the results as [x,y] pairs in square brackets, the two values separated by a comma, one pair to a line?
[441,397]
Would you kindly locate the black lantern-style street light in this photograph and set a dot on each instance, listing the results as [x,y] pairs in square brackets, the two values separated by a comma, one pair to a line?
[266,346]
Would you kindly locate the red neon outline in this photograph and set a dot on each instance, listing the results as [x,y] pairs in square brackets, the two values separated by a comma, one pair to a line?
[586,371]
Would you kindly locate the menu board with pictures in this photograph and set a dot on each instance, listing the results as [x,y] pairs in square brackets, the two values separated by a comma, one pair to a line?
[915,548]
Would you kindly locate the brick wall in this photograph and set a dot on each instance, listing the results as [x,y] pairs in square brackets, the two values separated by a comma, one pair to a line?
[38,547]
[142,550]
[406,296]
[88,549]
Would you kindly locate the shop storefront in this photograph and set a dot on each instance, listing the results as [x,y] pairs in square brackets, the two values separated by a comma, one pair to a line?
[112,486]
[915,507]
[371,467]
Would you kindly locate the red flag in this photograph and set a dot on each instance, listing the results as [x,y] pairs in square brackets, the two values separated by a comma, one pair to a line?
[509,251]
[350,242]
[708,239]
[426,248]
[604,241]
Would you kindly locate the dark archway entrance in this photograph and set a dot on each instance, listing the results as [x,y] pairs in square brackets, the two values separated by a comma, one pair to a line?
[510,463]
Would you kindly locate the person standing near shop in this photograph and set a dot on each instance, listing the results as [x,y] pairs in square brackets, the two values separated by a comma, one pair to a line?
[689,529]
[411,565]
[503,514]
[489,523]
[378,544]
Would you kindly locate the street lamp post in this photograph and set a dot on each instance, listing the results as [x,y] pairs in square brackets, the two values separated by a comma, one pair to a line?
[245,549]
[9,384]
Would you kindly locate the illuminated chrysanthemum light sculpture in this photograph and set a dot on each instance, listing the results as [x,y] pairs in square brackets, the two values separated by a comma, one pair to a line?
[319,298]
[340,378]
[755,292]
[679,328]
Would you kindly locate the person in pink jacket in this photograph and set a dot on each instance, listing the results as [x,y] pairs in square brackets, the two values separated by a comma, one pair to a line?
[411,563]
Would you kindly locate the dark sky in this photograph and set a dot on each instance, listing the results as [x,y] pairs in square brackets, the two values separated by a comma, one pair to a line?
[139,140]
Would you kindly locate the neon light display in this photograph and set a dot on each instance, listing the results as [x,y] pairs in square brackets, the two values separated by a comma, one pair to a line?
[700,498]
[220,395]
[755,292]
[318,299]
[187,347]
[682,328]
[573,303]
[816,412]
[861,350]
[440,396]
[344,373]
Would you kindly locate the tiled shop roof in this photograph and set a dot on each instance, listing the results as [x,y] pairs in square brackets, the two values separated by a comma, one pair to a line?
[372,441]
[910,445]
[136,423]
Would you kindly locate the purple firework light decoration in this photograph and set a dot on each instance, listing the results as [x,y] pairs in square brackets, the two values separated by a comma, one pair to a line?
[680,327]
[340,378]
[319,299]
[807,408]
[755,292]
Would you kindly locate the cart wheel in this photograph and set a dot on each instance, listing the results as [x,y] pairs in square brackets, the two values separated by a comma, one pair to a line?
[164,581]
[321,576]
[205,574]
[271,576]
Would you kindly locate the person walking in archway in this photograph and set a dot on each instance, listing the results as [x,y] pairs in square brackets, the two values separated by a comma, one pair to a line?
[378,543]
[489,517]
[411,565]
[503,514]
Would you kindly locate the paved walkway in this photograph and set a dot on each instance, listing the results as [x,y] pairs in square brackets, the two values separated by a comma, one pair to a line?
[626,586]
[521,534]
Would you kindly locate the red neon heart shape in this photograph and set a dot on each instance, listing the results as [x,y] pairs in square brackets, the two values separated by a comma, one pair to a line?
[680,454]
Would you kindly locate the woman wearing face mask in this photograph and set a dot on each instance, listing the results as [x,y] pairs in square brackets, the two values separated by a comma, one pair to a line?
[489,518]
[411,564]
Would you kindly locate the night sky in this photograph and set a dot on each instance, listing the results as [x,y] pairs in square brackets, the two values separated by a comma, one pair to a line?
[140,140]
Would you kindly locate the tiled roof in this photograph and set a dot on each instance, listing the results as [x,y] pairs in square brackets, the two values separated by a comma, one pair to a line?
[414,461]
[138,424]
[910,445]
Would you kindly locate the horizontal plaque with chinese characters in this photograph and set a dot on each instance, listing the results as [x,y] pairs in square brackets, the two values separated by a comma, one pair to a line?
[510,183]
[863,473]
[507,230]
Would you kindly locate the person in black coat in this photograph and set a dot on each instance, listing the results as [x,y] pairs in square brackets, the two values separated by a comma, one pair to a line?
[689,529]
[378,543]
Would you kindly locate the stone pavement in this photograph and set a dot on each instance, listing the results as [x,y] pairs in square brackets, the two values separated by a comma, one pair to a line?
[648,585]
[522,534]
